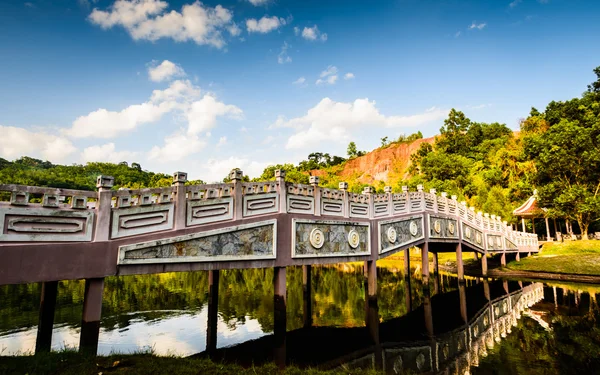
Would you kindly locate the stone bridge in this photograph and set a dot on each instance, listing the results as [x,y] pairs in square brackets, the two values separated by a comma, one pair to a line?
[73,234]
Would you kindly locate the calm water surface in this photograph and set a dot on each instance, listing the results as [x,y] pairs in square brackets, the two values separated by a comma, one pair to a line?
[558,333]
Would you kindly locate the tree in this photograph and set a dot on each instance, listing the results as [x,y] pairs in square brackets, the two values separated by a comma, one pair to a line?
[595,86]
[352,151]
[384,142]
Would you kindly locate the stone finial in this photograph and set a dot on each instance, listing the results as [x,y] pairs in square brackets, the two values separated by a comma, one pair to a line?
[279,173]
[486,215]
[179,177]
[444,194]
[499,218]
[493,217]
[387,189]
[420,188]
[368,190]
[479,213]
[463,203]
[505,223]
[343,186]
[432,191]
[472,209]
[314,180]
[405,189]
[236,174]
[105,182]
[454,197]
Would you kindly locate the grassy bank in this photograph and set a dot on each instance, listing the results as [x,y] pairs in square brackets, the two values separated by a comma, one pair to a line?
[572,257]
[69,362]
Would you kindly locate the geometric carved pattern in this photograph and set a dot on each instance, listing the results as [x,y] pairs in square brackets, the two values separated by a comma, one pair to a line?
[332,207]
[209,211]
[242,242]
[141,219]
[472,236]
[45,224]
[298,204]
[406,230]
[359,210]
[261,204]
[325,238]
[380,209]
[440,227]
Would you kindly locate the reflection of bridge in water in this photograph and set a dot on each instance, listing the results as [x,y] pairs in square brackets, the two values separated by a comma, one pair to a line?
[448,334]
[75,234]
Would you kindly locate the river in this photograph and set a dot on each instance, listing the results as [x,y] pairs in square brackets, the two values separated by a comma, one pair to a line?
[167,314]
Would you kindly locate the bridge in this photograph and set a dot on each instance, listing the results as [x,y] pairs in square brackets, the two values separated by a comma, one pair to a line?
[75,234]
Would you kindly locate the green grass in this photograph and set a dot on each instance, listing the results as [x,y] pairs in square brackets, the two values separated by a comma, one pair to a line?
[69,362]
[572,257]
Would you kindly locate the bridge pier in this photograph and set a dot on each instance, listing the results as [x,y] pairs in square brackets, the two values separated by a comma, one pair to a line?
[484,266]
[372,309]
[407,289]
[213,310]
[43,342]
[518,257]
[459,263]
[462,295]
[425,264]
[503,259]
[280,320]
[307,291]
[436,274]
[92,312]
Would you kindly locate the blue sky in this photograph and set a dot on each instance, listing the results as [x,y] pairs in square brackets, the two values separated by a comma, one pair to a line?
[207,86]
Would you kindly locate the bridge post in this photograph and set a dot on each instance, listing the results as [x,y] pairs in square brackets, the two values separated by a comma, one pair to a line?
[425,264]
[307,291]
[213,311]
[484,267]
[407,289]
[279,305]
[372,309]
[427,310]
[282,191]
[462,295]
[43,341]
[343,186]
[179,180]
[314,181]
[459,263]
[92,311]
[518,257]
[238,200]
[503,258]
[103,183]
[436,274]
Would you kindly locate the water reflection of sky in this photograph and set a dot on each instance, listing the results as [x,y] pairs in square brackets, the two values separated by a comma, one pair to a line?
[182,335]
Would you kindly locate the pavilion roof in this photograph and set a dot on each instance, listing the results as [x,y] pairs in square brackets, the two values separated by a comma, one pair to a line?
[530,208]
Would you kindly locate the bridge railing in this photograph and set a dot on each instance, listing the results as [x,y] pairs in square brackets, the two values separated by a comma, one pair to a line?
[77,215]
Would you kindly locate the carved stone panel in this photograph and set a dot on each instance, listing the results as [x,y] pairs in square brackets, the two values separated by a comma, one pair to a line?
[324,238]
[359,210]
[494,242]
[137,220]
[332,207]
[31,224]
[209,211]
[261,204]
[472,236]
[441,227]
[411,359]
[242,242]
[381,209]
[299,204]
[397,233]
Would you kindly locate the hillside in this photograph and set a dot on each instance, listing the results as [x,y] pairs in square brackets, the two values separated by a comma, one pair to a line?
[389,164]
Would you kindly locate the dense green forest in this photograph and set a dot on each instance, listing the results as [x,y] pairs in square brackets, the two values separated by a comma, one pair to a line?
[489,166]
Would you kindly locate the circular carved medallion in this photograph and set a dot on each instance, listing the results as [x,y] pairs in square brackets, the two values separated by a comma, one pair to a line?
[317,238]
[353,239]
[504,307]
[498,241]
[437,226]
[485,320]
[475,331]
[468,232]
[392,235]
[398,365]
[420,361]
[414,228]
[451,227]
[478,238]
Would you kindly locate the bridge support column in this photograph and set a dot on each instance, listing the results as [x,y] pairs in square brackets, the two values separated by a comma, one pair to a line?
[503,259]
[92,312]
[279,326]
[518,257]
[307,291]
[406,263]
[462,294]
[436,274]
[425,264]
[428,312]
[407,289]
[459,263]
[476,255]
[213,310]
[43,341]
[372,309]
[484,267]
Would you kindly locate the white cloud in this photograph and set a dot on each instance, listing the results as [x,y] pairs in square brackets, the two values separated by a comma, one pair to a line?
[312,33]
[106,153]
[181,96]
[479,106]
[165,71]
[16,142]
[234,29]
[217,169]
[264,25]
[222,141]
[458,33]
[283,56]
[477,26]
[349,76]
[330,120]
[514,3]
[176,147]
[328,76]
[149,20]
[296,30]
[299,81]
[243,129]
[258,2]
[268,139]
